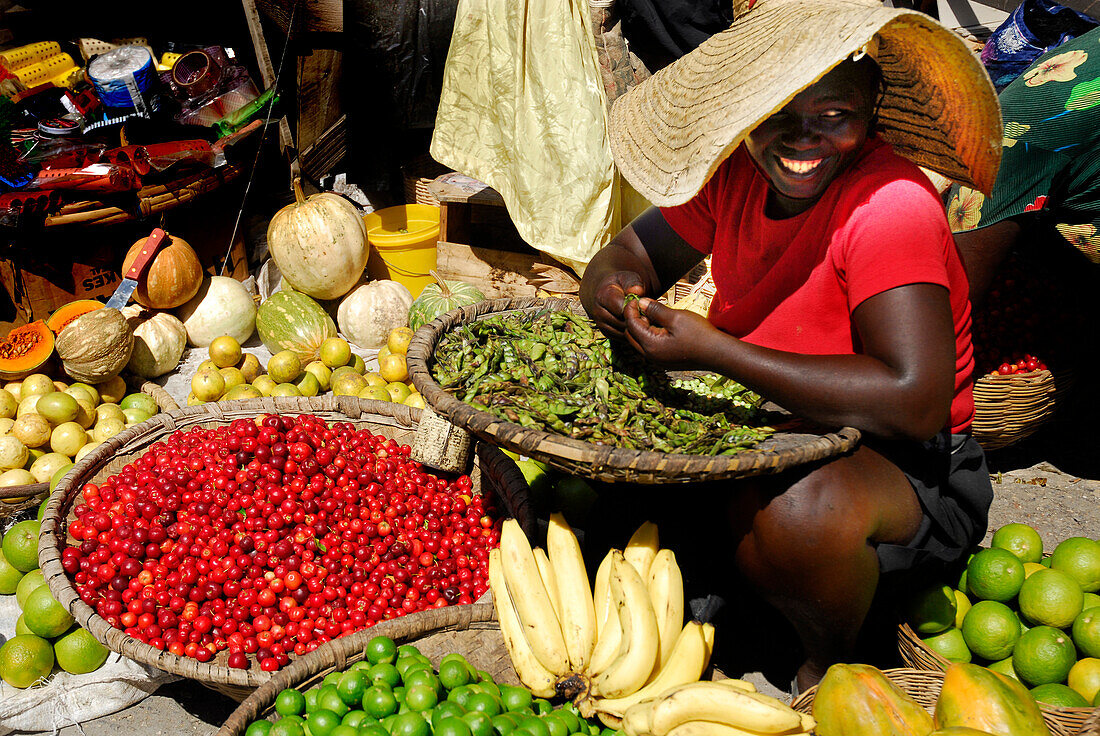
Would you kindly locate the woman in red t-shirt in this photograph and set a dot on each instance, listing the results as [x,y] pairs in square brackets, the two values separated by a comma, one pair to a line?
[840,296]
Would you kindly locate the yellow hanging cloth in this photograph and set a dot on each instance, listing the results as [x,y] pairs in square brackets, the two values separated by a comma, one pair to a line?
[523,109]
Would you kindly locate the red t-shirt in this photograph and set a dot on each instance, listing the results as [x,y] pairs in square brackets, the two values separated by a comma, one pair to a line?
[793,284]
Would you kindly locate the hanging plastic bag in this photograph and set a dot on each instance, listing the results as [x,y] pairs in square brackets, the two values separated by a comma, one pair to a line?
[1033,28]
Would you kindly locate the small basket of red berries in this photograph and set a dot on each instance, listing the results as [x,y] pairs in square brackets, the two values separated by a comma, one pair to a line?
[220,541]
[1014,400]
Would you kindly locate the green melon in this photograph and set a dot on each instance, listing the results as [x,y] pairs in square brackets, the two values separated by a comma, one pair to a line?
[290,320]
[440,298]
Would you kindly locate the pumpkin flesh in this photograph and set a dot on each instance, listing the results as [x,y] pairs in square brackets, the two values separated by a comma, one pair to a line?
[63,316]
[24,350]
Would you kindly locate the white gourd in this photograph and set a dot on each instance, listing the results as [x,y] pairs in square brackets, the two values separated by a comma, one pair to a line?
[368,314]
[159,341]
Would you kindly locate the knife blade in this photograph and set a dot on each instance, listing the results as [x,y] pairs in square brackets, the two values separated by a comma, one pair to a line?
[129,282]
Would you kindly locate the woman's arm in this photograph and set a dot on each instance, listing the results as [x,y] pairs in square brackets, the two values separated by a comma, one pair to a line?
[645,258]
[899,387]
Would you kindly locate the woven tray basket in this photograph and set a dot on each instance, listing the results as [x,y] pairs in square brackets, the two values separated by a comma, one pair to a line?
[469,630]
[924,687]
[604,462]
[916,654]
[1009,408]
[418,174]
[35,491]
[493,472]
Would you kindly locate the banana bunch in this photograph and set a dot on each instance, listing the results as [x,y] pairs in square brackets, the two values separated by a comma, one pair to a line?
[720,708]
[609,648]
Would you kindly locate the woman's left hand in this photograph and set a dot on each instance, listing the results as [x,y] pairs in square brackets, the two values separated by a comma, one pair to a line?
[676,338]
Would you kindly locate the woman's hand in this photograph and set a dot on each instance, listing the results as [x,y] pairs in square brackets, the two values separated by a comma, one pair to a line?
[610,301]
[676,338]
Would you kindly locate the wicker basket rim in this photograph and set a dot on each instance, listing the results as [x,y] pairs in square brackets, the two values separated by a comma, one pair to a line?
[138,437]
[626,464]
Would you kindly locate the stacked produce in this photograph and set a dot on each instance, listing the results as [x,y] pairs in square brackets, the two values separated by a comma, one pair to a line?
[1030,617]
[270,537]
[622,650]
[974,701]
[396,691]
[556,372]
[45,633]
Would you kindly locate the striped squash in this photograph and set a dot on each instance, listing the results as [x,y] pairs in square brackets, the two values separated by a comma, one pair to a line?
[291,320]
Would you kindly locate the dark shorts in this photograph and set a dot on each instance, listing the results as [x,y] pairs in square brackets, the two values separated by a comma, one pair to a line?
[949,475]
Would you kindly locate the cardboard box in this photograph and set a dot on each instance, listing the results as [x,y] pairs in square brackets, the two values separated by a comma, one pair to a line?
[42,275]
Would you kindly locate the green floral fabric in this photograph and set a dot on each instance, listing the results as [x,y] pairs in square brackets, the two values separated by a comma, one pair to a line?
[1051,160]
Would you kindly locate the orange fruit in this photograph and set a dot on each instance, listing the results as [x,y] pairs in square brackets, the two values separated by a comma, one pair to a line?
[44,615]
[1079,557]
[994,574]
[1051,597]
[1021,540]
[932,610]
[25,659]
[79,652]
[20,545]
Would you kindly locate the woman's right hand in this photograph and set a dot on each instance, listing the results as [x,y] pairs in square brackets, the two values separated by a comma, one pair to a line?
[610,301]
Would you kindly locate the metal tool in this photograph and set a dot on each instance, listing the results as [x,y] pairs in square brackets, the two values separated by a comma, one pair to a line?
[125,289]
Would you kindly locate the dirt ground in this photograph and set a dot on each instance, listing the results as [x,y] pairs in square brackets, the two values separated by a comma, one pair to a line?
[1050,481]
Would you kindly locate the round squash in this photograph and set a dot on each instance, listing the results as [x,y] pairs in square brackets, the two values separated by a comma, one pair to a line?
[290,320]
[440,298]
[222,306]
[159,341]
[96,346]
[24,350]
[173,277]
[319,244]
[367,314]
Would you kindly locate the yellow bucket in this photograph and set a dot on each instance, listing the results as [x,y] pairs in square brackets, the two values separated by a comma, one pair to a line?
[403,242]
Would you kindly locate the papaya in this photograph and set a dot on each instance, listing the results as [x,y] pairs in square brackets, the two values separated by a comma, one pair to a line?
[858,700]
[959,731]
[66,313]
[24,350]
[979,698]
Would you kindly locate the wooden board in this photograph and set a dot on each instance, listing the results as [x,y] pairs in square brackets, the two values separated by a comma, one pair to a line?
[322,123]
[498,274]
[312,16]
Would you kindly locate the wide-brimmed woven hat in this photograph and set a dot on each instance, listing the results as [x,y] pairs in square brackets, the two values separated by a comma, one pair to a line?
[670,133]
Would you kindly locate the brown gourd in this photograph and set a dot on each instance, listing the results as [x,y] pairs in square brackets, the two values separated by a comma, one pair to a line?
[173,277]
[96,346]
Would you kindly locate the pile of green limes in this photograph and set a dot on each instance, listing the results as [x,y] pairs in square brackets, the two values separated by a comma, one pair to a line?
[396,692]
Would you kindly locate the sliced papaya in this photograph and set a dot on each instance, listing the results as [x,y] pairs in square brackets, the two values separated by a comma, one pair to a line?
[65,314]
[24,350]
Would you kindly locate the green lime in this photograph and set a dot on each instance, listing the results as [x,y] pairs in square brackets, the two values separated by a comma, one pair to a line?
[1043,654]
[572,722]
[403,664]
[1051,598]
[502,725]
[995,575]
[990,630]
[950,645]
[446,709]
[322,721]
[932,610]
[384,673]
[488,686]
[410,724]
[290,702]
[1084,677]
[1079,557]
[355,717]
[962,605]
[330,699]
[555,725]
[479,723]
[1004,667]
[379,702]
[515,698]
[541,706]
[331,679]
[452,726]
[381,649]
[311,699]
[1021,540]
[9,576]
[424,677]
[343,729]
[421,698]
[287,727]
[399,693]
[362,664]
[258,728]
[533,726]
[351,686]
[1086,632]
[1056,694]
[453,673]
[373,729]
[484,703]
[408,650]
[461,695]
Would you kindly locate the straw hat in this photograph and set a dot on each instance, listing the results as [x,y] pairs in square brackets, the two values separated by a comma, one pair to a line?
[670,133]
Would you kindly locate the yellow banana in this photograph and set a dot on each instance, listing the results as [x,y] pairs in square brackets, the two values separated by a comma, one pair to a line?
[708,701]
[636,720]
[533,607]
[666,593]
[737,684]
[546,573]
[576,611]
[638,648]
[709,728]
[808,722]
[642,548]
[688,660]
[601,593]
[710,644]
[531,672]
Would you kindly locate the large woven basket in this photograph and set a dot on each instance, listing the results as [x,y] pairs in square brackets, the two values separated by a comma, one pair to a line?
[469,630]
[1009,408]
[493,472]
[796,445]
[924,687]
[918,656]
